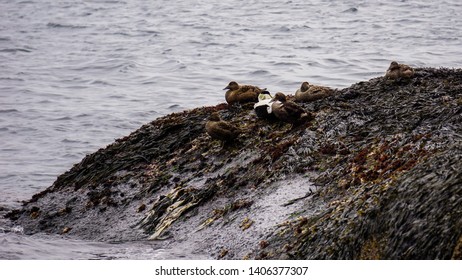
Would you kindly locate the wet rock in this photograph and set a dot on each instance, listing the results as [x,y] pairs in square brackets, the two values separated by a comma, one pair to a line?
[375,175]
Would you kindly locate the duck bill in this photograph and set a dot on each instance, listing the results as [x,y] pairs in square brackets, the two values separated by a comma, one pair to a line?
[226,88]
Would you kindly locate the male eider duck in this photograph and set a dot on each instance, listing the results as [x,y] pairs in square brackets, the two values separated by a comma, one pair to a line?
[263,106]
[221,130]
[307,92]
[241,93]
[397,71]
[288,111]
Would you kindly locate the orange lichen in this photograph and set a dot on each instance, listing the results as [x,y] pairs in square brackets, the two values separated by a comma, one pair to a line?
[381,161]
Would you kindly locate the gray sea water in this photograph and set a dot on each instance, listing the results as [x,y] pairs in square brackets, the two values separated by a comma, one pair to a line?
[75,75]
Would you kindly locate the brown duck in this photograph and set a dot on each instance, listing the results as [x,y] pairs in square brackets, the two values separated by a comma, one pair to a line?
[221,130]
[397,71]
[288,111]
[241,93]
[307,92]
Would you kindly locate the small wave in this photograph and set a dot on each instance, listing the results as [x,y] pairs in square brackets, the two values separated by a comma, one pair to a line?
[67,118]
[15,229]
[125,34]
[65,140]
[114,2]
[260,72]
[287,64]
[212,44]
[284,29]
[4,39]
[11,79]
[59,25]
[149,82]
[8,111]
[154,32]
[99,82]
[307,47]
[45,101]
[115,96]
[336,61]
[18,229]
[15,50]
[351,10]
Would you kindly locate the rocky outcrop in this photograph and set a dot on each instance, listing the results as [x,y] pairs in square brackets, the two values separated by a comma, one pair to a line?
[375,175]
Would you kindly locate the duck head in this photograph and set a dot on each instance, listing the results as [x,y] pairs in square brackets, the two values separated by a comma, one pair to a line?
[393,65]
[264,95]
[305,86]
[280,97]
[232,86]
[214,117]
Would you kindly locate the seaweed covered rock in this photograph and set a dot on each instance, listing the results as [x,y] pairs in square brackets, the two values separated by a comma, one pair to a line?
[376,174]
[388,163]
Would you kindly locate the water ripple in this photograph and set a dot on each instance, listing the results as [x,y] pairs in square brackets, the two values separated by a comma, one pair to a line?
[60,25]
[15,50]
[93,71]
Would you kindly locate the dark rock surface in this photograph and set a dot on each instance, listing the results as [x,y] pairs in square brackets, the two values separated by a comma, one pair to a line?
[376,175]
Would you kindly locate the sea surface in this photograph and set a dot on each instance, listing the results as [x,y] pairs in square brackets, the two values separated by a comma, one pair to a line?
[76,75]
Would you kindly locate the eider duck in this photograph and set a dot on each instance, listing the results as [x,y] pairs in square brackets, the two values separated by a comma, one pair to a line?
[397,71]
[288,111]
[241,93]
[221,130]
[263,106]
[307,92]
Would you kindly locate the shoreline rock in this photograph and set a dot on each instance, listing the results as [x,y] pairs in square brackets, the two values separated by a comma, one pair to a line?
[376,175]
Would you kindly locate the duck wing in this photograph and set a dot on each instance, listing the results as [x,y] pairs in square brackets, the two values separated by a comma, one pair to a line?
[406,71]
[222,130]
[392,74]
[319,89]
[293,110]
[247,88]
[226,127]
[247,96]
